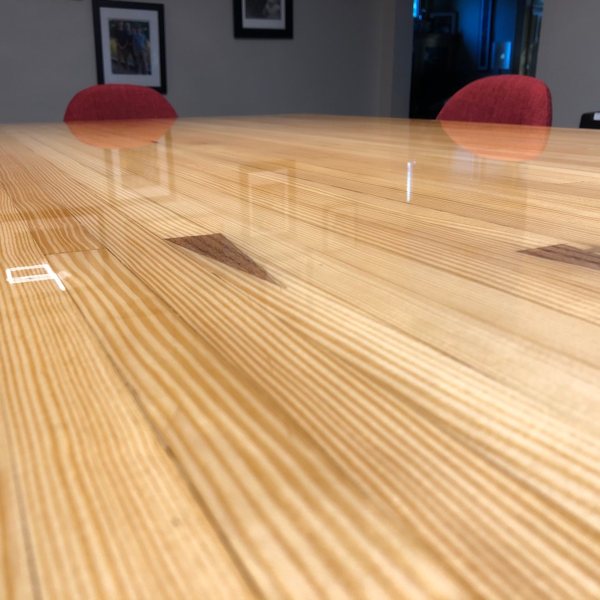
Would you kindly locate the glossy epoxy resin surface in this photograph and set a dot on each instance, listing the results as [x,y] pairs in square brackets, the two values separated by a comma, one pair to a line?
[299,357]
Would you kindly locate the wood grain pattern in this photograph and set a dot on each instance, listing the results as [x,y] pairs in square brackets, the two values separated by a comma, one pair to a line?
[413,413]
[101,509]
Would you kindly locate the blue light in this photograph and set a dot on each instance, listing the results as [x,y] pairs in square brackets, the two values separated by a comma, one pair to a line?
[416,8]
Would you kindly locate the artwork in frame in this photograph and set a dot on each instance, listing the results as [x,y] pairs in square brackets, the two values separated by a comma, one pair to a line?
[130,43]
[263,18]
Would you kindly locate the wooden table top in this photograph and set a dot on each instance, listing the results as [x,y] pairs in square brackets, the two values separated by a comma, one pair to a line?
[299,357]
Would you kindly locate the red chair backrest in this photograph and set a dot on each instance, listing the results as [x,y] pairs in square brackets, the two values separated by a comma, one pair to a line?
[515,99]
[118,101]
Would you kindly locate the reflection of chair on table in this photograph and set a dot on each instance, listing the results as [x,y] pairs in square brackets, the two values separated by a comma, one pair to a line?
[126,133]
[497,141]
[119,118]
[118,101]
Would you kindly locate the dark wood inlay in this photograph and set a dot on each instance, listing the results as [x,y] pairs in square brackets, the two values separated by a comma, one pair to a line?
[218,247]
[567,254]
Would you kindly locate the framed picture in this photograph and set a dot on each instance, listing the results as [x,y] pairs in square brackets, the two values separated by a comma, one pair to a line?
[263,18]
[130,43]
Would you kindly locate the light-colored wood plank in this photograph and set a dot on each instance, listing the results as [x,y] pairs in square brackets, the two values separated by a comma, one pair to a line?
[413,408]
[89,495]
[356,263]
[397,482]
[272,490]
[18,573]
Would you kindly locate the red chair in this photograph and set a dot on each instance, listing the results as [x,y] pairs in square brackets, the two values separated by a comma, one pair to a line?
[515,99]
[118,101]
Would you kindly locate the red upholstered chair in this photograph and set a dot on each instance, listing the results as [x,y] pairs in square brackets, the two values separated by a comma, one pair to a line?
[515,99]
[118,101]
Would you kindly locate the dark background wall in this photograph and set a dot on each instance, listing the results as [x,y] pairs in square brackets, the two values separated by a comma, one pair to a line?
[448,53]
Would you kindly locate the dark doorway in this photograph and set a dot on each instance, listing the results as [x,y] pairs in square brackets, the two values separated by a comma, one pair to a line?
[458,41]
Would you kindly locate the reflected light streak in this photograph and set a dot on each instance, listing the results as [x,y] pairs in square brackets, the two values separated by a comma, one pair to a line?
[409,175]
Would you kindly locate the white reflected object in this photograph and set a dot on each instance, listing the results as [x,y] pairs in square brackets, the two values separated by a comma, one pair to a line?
[409,174]
[48,274]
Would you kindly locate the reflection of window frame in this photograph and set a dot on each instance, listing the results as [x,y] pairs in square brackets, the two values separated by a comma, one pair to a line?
[485,28]
[156,159]
[253,178]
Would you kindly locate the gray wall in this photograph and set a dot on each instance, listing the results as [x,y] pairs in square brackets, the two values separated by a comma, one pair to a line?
[341,59]
[569,47]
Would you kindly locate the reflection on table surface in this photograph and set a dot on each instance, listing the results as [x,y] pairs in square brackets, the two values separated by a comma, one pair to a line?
[124,133]
[299,356]
[491,140]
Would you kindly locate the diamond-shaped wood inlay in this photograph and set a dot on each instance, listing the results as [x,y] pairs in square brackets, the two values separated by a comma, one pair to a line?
[218,247]
[567,254]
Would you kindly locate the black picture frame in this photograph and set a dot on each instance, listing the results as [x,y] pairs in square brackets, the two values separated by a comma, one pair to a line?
[251,21]
[133,62]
